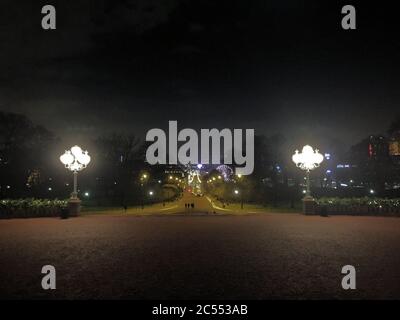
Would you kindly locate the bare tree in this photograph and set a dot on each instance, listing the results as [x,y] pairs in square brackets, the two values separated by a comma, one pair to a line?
[119,156]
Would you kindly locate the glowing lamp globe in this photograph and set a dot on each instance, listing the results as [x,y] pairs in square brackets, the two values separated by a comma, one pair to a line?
[67,158]
[76,151]
[84,158]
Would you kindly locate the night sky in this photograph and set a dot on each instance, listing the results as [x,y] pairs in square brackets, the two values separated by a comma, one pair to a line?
[276,66]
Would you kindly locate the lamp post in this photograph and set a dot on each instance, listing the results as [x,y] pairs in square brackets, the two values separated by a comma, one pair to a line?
[151,195]
[143,179]
[75,160]
[237,192]
[308,160]
[239,180]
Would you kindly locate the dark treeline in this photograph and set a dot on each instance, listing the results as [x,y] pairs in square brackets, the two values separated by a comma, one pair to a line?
[30,167]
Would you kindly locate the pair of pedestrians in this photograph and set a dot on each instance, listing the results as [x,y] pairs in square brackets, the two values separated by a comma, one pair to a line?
[189,205]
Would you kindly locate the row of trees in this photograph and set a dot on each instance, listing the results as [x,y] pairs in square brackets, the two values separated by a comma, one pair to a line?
[23,150]
[29,166]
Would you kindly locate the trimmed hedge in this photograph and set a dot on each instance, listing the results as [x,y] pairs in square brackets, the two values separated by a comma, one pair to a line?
[359,206]
[30,208]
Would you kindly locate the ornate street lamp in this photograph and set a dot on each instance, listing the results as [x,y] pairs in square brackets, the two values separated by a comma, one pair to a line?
[308,160]
[75,160]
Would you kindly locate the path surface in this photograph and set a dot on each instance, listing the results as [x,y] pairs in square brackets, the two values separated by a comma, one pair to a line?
[201,204]
[286,256]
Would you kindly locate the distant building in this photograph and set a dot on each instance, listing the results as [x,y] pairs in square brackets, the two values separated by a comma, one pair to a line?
[378,146]
[394,147]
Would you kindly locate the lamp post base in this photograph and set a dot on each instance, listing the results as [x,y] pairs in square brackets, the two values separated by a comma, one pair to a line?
[74,207]
[309,205]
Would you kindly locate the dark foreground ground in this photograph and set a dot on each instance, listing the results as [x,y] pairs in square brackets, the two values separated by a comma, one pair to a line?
[272,256]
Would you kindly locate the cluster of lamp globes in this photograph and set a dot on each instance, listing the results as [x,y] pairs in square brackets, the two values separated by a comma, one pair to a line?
[308,159]
[75,159]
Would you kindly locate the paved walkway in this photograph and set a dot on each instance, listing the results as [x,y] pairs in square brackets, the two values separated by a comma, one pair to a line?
[288,256]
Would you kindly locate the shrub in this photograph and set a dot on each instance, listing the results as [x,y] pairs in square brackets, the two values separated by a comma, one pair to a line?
[360,205]
[30,207]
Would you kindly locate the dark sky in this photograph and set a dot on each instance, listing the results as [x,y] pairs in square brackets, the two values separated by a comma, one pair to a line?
[277,66]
